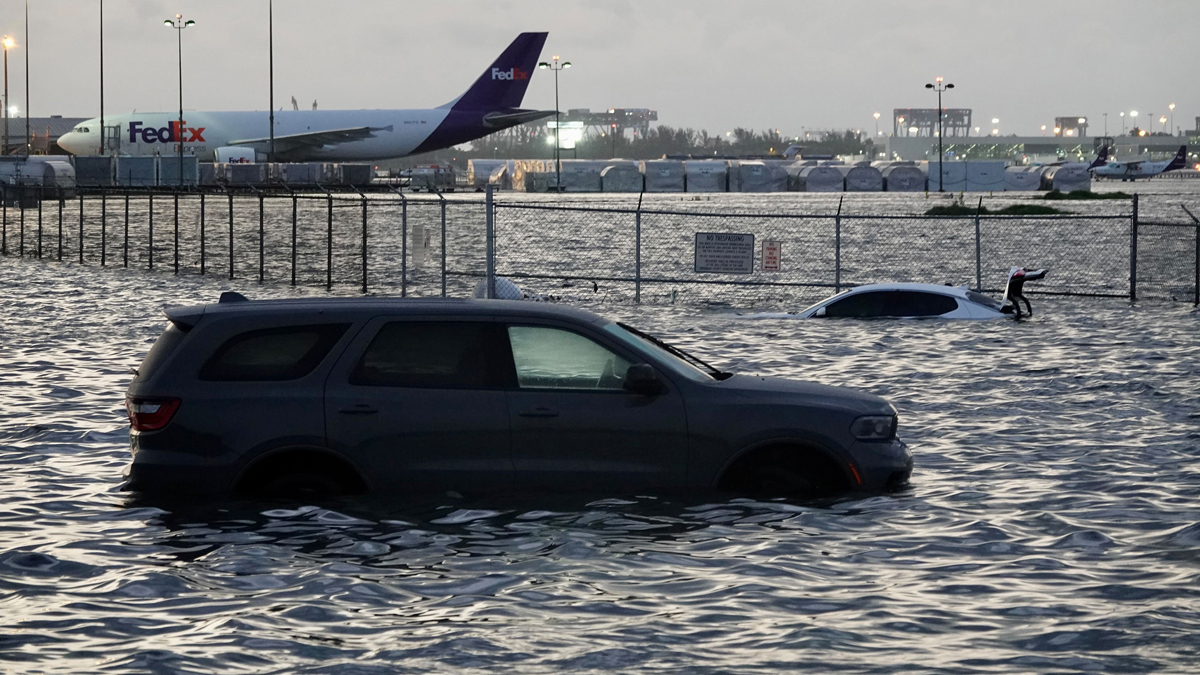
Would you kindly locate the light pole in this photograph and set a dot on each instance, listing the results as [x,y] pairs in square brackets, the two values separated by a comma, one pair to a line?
[271,77]
[876,123]
[939,88]
[556,66]
[1172,107]
[8,43]
[179,24]
[101,77]
[1106,125]
[28,140]
[1163,121]
[1133,118]
[1122,123]
[995,130]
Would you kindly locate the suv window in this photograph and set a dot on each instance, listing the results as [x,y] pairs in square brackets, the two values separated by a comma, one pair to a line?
[286,353]
[435,354]
[552,358]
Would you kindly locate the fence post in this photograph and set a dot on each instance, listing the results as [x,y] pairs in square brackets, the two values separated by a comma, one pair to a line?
[490,249]
[261,240]
[231,236]
[21,248]
[1133,244]
[978,254]
[80,229]
[1196,269]
[837,248]
[293,239]
[329,248]
[4,232]
[150,210]
[126,248]
[364,244]
[637,251]
[39,244]
[443,245]
[202,248]
[404,248]
[177,233]
[103,229]
[60,224]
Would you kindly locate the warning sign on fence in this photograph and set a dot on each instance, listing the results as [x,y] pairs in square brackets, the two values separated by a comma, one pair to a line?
[719,253]
[772,255]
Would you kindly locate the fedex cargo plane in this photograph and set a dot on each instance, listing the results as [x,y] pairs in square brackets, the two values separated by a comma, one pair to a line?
[491,104]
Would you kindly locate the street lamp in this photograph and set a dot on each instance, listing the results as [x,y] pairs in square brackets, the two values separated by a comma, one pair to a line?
[1122,124]
[1163,121]
[1133,116]
[179,24]
[877,123]
[1043,129]
[101,77]
[939,88]
[556,66]
[271,77]
[1172,107]
[1106,125]
[8,43]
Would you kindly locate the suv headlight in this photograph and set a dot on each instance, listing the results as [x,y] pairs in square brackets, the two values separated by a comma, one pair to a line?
[874,427]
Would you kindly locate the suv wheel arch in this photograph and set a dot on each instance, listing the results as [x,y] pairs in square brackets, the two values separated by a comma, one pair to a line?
[787,465]
[305,469]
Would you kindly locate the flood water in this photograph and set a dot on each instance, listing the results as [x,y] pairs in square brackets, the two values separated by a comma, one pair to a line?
[1052,523]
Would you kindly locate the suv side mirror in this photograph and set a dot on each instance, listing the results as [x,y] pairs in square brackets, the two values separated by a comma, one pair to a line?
[643,380]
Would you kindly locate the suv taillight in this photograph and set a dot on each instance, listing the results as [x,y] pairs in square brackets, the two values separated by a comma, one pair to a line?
[150,414]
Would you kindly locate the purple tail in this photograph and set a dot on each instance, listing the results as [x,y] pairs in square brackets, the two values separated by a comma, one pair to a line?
[1101,158]
[503,84]
[1180,160]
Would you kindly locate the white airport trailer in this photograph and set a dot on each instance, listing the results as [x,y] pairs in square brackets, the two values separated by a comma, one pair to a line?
[625,176]
[1022,178]
[985,175]
[821,179]
[903,177]
[760,176]
[1067,177]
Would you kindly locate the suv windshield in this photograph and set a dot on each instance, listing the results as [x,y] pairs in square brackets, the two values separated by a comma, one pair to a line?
[675,362]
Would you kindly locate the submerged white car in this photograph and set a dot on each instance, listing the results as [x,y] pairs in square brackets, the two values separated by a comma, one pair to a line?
[920,301]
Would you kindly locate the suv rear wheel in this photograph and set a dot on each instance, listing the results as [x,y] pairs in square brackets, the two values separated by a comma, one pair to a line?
[301,473]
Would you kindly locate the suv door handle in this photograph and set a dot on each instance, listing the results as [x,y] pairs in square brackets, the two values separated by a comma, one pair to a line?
[359,409]
[538,412]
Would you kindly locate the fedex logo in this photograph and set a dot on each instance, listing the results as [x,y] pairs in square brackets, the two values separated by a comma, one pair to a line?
[172,133]
[513,73]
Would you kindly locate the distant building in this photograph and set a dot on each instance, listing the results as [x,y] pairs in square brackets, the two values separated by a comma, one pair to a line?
[44,133]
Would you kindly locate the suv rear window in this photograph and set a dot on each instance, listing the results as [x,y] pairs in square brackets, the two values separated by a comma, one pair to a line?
[436,354]
[286,353]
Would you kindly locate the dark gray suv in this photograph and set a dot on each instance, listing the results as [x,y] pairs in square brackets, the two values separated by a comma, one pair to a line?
[348,395]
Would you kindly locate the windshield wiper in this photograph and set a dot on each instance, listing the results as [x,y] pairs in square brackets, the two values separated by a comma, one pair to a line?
[716,373]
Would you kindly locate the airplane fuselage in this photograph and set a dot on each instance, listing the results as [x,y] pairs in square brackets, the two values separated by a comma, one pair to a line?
[1130,170]
[397,132]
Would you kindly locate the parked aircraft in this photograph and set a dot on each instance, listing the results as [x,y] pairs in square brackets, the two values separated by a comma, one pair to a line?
[491,104]
[1128,171]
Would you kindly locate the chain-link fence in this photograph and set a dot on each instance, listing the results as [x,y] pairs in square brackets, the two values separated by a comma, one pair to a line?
[612,250]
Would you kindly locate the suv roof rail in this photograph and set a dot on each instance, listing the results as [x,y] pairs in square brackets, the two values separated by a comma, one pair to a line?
[233,296]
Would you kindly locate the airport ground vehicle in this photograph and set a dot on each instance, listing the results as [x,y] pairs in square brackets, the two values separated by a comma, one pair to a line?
[926,301]
[334,395]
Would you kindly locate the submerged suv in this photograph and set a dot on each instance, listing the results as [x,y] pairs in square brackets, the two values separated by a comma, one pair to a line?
[349,395]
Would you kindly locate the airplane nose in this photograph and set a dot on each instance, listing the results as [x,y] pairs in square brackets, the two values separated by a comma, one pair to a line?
[71,141]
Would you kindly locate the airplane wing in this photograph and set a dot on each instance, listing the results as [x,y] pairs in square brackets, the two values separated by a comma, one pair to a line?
[503,120]
[312,139]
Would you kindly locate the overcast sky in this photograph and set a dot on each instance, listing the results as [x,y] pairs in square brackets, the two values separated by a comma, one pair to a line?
[706,64]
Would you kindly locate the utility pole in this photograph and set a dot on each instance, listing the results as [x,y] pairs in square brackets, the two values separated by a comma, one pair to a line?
[102,144]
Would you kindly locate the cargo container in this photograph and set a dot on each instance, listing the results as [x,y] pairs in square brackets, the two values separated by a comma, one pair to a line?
[94,170]
[1023,178]
[903,177]
[706,175]
[623,177]
[820,179]
[1067,177]
[137,171]
[985,175]
[168,171]
[664,175]
[862,178]
[759,176]
[245,174]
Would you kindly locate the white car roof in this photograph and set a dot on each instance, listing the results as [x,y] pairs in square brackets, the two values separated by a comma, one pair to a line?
[956,291]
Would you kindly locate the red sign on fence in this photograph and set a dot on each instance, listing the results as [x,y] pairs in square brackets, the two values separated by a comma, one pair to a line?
[772,255]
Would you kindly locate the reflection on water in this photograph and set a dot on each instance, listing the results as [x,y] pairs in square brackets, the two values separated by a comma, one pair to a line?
[1052,524]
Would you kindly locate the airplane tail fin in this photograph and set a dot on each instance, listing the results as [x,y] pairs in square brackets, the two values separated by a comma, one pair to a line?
[503,84]
[1101,158]
[1180,160]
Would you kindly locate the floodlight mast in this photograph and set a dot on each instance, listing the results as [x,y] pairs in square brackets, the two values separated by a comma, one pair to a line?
[556,66]
[939,88]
